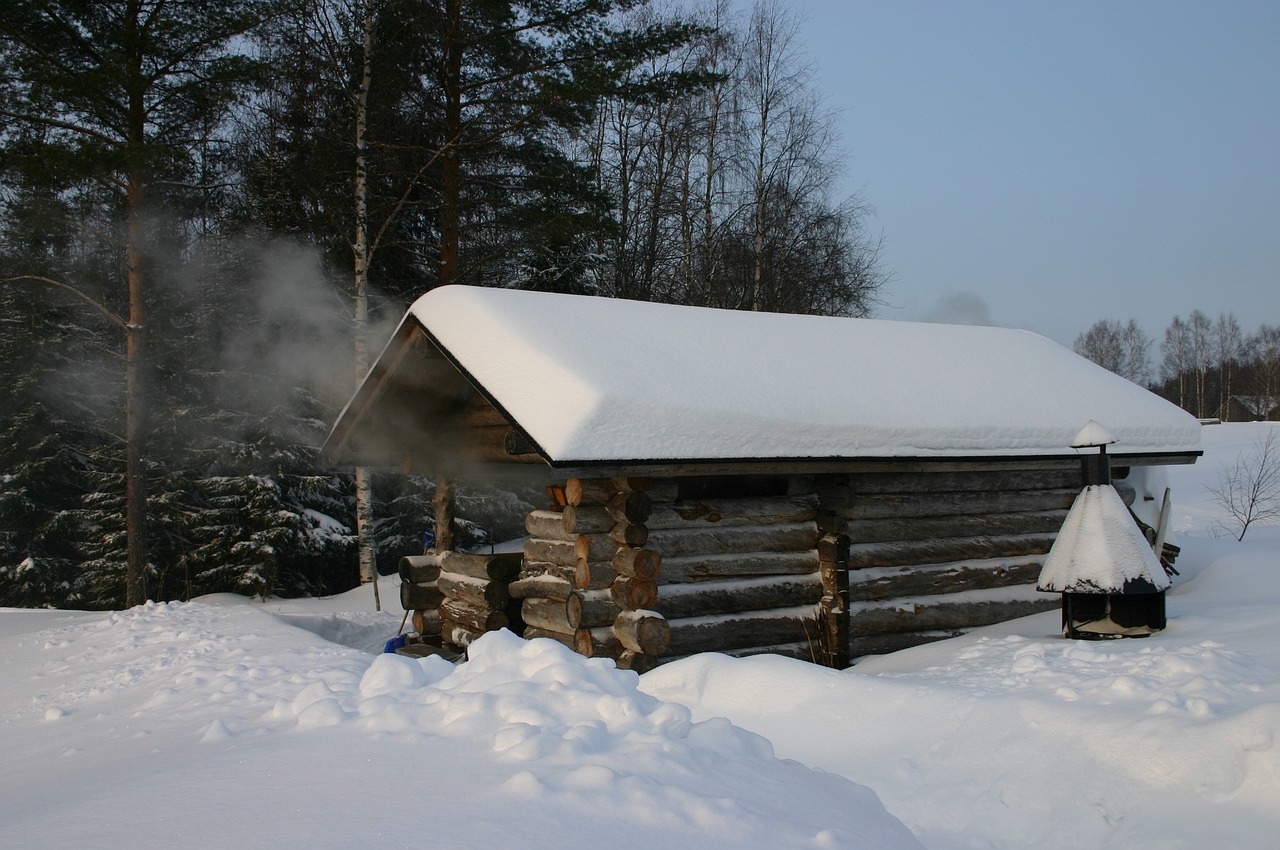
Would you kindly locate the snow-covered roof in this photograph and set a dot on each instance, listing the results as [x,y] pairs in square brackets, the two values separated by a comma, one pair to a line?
[595,380]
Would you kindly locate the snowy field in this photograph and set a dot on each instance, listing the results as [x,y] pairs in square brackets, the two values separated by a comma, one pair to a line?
[227,723]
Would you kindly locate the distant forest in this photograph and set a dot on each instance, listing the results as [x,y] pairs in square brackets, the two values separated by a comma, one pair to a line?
[1209,367]
[210,212]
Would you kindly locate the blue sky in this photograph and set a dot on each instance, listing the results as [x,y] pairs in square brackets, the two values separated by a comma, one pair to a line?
[1048,164]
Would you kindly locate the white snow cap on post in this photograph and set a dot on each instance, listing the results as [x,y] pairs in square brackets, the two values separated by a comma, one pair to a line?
[1092,434]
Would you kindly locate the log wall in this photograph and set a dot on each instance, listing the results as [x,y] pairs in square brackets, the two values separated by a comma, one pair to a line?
[826,568]
[930,555]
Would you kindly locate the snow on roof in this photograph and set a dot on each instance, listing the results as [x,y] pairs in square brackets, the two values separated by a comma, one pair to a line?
[1100,549]
[596,379]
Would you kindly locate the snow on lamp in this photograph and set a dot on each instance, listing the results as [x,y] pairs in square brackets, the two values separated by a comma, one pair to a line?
[1111,581]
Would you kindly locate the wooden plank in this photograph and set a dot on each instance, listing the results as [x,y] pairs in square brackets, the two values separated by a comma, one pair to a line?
[900,582]
[787,537]
[898,505]
[956,525]
[710,598]
[888,619]
[730,512]
[1066,476]
[945,550]
[702,567]
[738,631]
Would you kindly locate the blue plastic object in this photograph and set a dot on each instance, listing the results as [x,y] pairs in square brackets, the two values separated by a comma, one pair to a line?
[395,643]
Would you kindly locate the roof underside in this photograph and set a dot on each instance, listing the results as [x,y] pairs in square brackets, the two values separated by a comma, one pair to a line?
[582,382]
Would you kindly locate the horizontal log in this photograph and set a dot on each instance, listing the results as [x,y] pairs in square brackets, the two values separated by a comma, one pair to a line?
[589,491]
[426,622]
[594,547]
[711,598]
[455,634]
[542,587]
[593,575]
[589,609]
[533,569]
[899,505]
[739,631]
[690,568]
[568,639]
[501,566]
[585,519]
[640,563]
[481,415]
[550,614]
[633,594]
[629,535]
[956,525]
[481,593]
[950,578]
[630,507]
[644,632]
[419,569]
[547,525]
[729,512]
[788,537]
[470,617]
[639,662]
[882,644]
[660,491]
[515,443]
[891,618]
[1067,474]
[946,549]
[560,552]
[415,597]
[598,643]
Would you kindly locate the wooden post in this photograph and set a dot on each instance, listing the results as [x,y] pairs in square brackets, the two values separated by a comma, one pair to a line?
[833,559]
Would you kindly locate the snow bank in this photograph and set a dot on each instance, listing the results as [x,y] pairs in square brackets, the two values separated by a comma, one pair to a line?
[217,725]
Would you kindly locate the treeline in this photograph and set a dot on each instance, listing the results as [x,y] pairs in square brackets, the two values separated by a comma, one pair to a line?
[1209,367]
[209,210]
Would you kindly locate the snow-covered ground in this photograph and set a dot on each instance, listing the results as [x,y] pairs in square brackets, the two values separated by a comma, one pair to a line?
[230,723]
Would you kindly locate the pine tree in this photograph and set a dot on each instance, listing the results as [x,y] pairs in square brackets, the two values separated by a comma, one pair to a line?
[114,95]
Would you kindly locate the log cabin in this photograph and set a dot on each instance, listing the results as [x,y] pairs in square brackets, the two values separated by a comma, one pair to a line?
[744,482]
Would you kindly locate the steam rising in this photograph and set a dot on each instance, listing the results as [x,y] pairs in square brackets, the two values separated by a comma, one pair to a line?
[960,308]
[301,337]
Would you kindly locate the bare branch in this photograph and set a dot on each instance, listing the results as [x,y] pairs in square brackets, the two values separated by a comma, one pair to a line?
[101,308]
